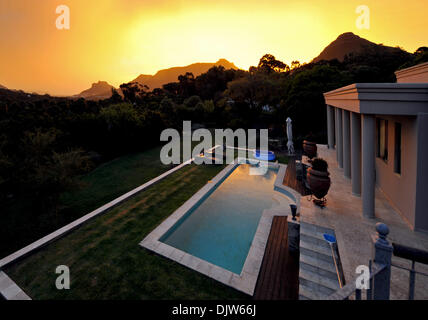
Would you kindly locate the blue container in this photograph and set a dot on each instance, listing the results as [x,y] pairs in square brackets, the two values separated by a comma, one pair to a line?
[264,155]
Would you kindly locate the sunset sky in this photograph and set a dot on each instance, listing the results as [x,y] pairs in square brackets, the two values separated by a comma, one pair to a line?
[116,40]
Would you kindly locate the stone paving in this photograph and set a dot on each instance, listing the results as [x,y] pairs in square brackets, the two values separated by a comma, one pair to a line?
[343,213]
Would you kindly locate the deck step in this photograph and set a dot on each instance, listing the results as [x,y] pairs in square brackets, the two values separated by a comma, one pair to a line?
[311,263]
[317,272]
[315,228]
[315,234]
[314,254]
[314,240]
[314,291]
[326,251]
[319,280]
[309,293]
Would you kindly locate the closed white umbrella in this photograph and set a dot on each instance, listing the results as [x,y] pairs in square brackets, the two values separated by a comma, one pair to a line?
[290,145]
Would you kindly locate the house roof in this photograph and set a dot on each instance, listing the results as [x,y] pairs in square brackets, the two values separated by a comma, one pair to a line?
[381,98]
[415,74]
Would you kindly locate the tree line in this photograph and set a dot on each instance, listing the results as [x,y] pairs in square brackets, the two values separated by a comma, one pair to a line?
[47,142]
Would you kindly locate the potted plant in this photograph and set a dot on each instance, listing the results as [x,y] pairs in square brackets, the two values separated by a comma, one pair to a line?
[318,178]
[309,147]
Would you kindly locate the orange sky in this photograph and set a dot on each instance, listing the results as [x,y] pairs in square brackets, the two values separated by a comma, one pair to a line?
[116,40]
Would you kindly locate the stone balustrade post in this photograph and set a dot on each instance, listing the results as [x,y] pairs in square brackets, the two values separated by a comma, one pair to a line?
[382,255]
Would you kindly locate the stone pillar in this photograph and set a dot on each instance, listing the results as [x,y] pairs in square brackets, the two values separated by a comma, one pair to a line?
[330,126]
[339,138]
[368,165]
[336,133]
[356,153]
[346,144]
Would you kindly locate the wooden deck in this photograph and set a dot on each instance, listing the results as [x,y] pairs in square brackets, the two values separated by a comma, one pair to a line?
[279,274]
[290,178]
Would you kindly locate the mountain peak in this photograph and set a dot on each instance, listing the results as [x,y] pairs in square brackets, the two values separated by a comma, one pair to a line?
[99,90]
[101,84]
[345,44]
[226,64]
[348,35]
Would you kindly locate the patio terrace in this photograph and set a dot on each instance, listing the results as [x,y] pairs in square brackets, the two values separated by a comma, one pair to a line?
[343,213]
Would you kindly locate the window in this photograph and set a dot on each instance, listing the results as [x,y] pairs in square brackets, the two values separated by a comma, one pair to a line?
[397,148]
[382,139]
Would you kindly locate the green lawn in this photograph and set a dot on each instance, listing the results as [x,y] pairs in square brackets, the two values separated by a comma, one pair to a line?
[19,226]
[113,179]
[104,256]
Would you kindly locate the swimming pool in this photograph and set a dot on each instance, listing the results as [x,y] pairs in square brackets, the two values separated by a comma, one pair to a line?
[220,228]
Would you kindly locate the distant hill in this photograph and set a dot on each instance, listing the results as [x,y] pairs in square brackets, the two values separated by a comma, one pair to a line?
[171,75]
[98,91]
[2,87]
[9,96]
[102,89]
[348,43]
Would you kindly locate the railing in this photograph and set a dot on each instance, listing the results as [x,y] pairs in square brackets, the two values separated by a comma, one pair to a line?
[350,289]
[414,255]
[380,269]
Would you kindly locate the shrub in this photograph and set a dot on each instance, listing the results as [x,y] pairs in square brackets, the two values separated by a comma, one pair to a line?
[319,164]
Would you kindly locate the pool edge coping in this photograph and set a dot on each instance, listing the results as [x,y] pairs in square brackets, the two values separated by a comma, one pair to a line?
[247,280]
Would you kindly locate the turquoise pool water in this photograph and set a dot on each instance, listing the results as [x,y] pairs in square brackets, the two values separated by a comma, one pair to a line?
[221,228]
